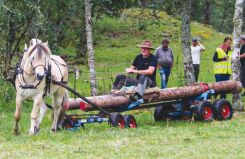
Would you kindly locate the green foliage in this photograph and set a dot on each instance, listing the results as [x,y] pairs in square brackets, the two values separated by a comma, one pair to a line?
[221,12]
[6,91]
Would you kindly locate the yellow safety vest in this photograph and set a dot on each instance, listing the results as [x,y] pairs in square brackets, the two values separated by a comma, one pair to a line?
[223,67]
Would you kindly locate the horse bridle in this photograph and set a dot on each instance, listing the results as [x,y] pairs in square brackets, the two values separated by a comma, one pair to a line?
[39,79]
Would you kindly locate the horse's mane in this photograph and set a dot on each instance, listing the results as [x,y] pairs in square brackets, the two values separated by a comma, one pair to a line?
[40,49]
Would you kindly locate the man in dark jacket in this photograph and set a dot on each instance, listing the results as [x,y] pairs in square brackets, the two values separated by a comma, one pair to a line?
[144,66]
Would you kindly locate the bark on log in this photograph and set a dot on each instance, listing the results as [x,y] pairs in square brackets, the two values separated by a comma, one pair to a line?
[118,100]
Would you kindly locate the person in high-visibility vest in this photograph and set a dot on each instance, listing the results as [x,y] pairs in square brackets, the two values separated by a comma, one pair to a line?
[222,62]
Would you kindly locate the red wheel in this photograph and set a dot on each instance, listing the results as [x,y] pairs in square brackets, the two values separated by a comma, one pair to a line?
[204,112]
[207,113]
[121,123]
[223,109]
[117,120]
[130,121]
[225,112]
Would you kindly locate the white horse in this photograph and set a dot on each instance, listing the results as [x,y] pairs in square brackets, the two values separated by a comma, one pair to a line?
[34,81]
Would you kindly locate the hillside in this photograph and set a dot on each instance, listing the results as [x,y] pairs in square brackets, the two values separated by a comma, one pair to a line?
[116,39]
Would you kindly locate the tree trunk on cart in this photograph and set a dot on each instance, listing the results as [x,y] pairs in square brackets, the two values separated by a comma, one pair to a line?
[186,46]
[117,99]
[238,23]
[88,21]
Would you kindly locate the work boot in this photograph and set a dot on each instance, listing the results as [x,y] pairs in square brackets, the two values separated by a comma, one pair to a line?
[135,97]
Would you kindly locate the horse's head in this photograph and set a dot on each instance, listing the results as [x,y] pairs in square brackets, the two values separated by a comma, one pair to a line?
[38,55]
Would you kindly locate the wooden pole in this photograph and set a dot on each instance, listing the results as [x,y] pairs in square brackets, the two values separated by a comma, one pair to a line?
[120,99]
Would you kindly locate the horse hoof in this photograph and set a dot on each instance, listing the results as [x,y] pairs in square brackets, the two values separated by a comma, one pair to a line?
[16,132]
[36,130]
[53,130]
[32,132]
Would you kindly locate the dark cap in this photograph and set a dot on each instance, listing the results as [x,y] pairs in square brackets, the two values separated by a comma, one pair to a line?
[194,39]
[165,40]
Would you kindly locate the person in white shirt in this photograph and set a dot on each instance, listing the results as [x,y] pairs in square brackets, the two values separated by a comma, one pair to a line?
[196,49]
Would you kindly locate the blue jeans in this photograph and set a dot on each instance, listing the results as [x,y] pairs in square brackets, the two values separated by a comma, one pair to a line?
[222,77]
[164,74]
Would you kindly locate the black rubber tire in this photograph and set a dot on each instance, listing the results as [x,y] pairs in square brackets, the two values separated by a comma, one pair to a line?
[204,112]
[161,112]
[223,110]
[116,120]
[130,121]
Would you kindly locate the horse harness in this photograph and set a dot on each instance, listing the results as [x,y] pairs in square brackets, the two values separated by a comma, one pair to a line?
[48,75]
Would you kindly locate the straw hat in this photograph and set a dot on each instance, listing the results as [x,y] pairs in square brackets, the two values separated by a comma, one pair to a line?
[146,44]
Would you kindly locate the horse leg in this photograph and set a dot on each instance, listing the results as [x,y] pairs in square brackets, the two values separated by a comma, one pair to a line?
[57,104]
[42,112]
[17,114]
[34,114]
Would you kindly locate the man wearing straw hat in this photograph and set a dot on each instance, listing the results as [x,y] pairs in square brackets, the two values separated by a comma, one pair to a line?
[144,66]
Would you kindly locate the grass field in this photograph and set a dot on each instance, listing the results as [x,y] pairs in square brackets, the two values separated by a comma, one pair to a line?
[115,48]
[174,139]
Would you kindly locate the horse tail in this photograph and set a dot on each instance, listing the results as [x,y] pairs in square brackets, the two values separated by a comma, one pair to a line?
[65,103]
[64,107]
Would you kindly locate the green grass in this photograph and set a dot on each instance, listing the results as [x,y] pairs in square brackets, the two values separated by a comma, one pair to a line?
[174,139]
[115,48]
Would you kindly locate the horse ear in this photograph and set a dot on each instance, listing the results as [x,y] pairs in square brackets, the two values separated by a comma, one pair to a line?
[25,49]
[46,43]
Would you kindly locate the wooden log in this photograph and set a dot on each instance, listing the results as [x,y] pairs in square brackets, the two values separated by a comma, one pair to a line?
[226,86]
[119,98]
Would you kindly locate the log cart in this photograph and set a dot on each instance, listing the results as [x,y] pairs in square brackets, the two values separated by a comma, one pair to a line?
[171,103]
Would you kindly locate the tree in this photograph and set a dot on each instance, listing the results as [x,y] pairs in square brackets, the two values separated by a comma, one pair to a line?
[238,24]
[206,13]
[186,46]
[88,21]
[15,20]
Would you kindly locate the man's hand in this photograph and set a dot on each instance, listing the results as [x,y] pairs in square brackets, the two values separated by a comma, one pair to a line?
[130,70]
[225,58]
[202,47]
[242,56]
